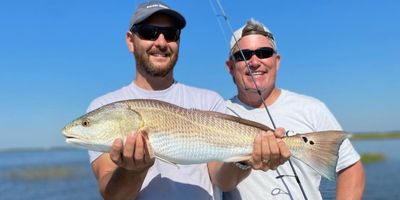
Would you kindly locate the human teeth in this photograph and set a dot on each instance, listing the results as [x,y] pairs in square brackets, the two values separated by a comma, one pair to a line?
[159,55]
[258,73]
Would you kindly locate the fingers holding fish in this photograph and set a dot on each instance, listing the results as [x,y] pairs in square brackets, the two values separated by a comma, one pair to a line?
[261,151]
[283,147]
[256,159]
[269,150]
[128,151]
[266,155]
[116,152]
[138,153]
[280,151]
[141,154]
[273,150]
[133,155]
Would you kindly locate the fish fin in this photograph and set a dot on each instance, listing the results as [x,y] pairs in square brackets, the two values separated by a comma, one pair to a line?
[320,151]
[167,161]
[145,133]
[238,158]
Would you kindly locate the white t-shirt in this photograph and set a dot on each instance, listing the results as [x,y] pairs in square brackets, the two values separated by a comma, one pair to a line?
[163,180]
[300,114]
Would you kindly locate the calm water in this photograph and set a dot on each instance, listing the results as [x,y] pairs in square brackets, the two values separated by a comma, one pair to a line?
[56,174]
[383,177]
[65,174]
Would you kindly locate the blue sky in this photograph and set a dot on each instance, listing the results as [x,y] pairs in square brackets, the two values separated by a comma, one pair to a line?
[56,56]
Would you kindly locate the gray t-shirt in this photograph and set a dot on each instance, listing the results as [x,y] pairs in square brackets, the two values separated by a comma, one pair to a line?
[300,114]
[163,180]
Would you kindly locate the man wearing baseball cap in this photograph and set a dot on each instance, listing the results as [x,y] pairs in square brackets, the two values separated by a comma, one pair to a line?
[254,43]
[127,171]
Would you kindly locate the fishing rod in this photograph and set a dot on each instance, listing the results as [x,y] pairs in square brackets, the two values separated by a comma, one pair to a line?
[225,17]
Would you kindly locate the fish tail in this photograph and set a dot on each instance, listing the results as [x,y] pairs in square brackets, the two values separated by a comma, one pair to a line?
[319,150]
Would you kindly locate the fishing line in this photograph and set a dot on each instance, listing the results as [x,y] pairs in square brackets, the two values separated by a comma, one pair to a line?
[219,22]
[225,17]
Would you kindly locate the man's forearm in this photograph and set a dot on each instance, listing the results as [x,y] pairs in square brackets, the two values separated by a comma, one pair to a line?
[122,184]
[226,175]
[351,182]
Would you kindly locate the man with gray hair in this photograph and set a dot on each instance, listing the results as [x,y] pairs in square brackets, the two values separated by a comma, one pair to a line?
[295,112]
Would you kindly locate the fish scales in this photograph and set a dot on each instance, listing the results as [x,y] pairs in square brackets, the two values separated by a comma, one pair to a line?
[188,133]
[189,136]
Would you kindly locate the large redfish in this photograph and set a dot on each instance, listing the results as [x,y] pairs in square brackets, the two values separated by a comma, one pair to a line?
[188,136]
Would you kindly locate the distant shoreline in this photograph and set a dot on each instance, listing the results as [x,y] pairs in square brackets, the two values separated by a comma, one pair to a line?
[375,136]
[24,149]
[368,158]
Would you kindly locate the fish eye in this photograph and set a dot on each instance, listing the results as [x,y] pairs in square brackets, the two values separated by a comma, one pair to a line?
[85,122]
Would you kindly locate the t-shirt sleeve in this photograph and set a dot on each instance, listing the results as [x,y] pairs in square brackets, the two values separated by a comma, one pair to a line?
[214,102]
[220,105]
[347,154]
[94,105]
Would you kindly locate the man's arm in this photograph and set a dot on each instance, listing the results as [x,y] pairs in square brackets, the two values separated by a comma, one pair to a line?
[226,175]
[120,174]
[351,182]
[266,147]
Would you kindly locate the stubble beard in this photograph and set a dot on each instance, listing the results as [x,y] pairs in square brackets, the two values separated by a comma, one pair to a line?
[142,60]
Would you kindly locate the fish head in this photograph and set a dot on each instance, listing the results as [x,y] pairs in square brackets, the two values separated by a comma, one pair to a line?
[98,129]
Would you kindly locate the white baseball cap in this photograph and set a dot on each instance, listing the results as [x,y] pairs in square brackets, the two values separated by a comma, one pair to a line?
[238,34]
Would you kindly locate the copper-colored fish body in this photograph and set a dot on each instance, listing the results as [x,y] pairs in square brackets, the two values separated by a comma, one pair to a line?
[189,136]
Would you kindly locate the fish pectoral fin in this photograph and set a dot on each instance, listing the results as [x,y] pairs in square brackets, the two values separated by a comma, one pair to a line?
[145,133]
[238,158]
[167,161]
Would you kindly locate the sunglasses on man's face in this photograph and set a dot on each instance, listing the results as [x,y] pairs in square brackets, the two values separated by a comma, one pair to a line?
[150,32]
[263,52]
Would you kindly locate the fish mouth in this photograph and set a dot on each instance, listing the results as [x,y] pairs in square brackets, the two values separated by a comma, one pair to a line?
[72,139]
[76,141]
[69,138]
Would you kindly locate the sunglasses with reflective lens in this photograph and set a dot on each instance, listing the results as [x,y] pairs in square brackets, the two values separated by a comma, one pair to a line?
[150,32]
[263,52]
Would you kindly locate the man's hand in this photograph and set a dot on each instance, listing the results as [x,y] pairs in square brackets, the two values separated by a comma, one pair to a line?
[269,150]
[133,155]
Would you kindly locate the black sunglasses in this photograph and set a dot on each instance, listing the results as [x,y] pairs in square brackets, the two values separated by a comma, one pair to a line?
[150,32]
[263,52]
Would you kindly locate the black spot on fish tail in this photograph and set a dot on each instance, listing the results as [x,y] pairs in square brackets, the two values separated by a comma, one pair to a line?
[305,139]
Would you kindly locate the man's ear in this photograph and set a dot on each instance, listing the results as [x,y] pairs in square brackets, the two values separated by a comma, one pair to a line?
[129,41]
[229,64]
[278,61]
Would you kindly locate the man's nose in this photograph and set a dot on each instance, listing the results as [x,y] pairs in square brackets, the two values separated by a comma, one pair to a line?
[254,61]
[161,41]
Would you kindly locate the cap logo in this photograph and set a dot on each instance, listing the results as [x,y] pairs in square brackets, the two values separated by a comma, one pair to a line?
[156,5]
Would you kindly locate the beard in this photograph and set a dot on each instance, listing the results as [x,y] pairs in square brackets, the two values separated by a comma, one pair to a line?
[142,60]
